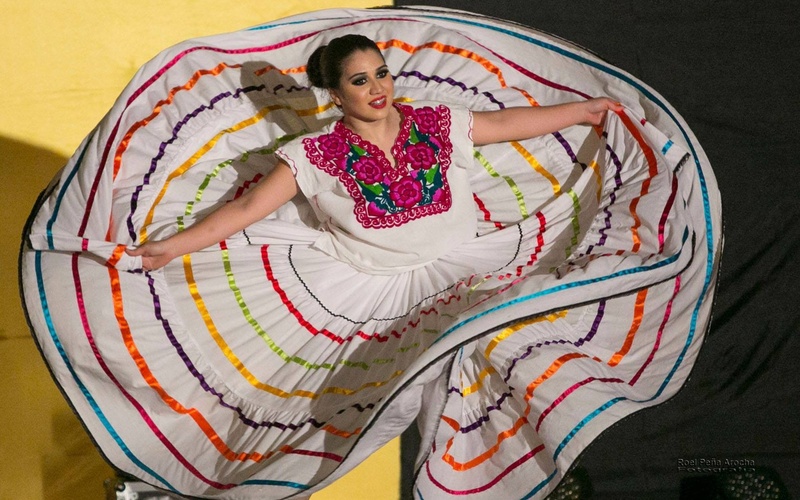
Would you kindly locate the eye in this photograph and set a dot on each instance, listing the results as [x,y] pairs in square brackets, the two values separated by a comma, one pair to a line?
[359,81]
[383,73]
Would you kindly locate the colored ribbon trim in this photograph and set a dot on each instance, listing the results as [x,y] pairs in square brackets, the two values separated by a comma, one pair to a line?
[196,157]
[653,171]
[511,330]
[446,49]
[638,315]
[661,327]
[189,85]
[243,370]
[523,211]
[534,163]
[101,417]
[460,466]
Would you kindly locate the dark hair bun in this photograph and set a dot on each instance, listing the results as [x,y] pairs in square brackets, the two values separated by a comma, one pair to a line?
[324,67]
[314,68]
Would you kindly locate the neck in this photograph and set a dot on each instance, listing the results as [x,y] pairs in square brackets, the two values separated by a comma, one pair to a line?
[376,131]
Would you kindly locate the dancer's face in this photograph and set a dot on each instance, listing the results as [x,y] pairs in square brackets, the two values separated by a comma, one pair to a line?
[366,89]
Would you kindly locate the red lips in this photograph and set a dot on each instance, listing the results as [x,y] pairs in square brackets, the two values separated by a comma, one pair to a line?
[379,103]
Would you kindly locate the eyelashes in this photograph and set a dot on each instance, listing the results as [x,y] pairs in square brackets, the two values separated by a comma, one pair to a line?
[361,80]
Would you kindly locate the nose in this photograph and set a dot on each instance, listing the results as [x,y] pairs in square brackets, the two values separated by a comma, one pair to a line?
[376,86]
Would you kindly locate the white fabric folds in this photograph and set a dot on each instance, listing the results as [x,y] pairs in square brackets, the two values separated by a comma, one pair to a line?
[263,368]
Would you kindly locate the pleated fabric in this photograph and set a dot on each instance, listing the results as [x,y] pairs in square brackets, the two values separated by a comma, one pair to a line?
[263,368]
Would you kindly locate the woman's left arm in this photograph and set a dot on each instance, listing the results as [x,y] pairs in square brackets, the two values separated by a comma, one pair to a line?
[518,123]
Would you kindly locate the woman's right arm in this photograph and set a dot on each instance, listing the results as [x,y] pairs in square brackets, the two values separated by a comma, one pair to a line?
[278,187]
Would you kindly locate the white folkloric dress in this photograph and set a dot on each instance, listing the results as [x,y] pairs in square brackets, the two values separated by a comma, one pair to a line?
[540,291]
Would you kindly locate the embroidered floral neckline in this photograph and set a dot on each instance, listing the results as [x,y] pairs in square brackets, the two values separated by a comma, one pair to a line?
[386,195]
[373,150]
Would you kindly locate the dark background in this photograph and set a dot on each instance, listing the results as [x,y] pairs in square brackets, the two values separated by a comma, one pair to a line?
[730,68]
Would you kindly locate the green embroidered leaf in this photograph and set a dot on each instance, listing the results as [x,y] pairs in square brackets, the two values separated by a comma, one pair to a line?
[358,150]
[413,138]
[430,175]
[376,189]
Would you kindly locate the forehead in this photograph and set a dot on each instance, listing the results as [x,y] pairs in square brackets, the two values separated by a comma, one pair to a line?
[362,61]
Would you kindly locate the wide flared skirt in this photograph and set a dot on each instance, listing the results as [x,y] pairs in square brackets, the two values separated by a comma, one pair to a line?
[263,368]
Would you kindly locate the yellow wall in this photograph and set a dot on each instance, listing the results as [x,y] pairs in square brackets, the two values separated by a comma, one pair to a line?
[62,64]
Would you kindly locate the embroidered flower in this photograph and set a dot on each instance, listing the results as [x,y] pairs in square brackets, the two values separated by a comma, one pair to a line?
[427,120]
[387,195]
[374,210]
[333,146]
[432,139]
[368,170]
[420,156]
[406,192]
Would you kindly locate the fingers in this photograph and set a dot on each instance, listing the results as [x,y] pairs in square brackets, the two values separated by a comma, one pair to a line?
[151,264]
[604,103]
[145,252]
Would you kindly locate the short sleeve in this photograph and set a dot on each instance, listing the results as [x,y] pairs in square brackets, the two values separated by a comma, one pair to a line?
[461,134]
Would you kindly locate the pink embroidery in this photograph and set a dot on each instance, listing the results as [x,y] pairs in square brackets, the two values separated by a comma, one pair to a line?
[387,196]
[406,192]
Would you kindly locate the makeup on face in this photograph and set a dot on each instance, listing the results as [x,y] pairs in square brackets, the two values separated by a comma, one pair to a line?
[366,90]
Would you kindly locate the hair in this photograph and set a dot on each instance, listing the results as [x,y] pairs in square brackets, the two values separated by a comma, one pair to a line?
[324,67]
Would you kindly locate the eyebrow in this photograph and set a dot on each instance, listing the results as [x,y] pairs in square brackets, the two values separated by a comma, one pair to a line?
[364,73]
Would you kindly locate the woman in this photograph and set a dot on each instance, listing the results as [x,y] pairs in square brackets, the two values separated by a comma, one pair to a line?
[514,300]
[352,69]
